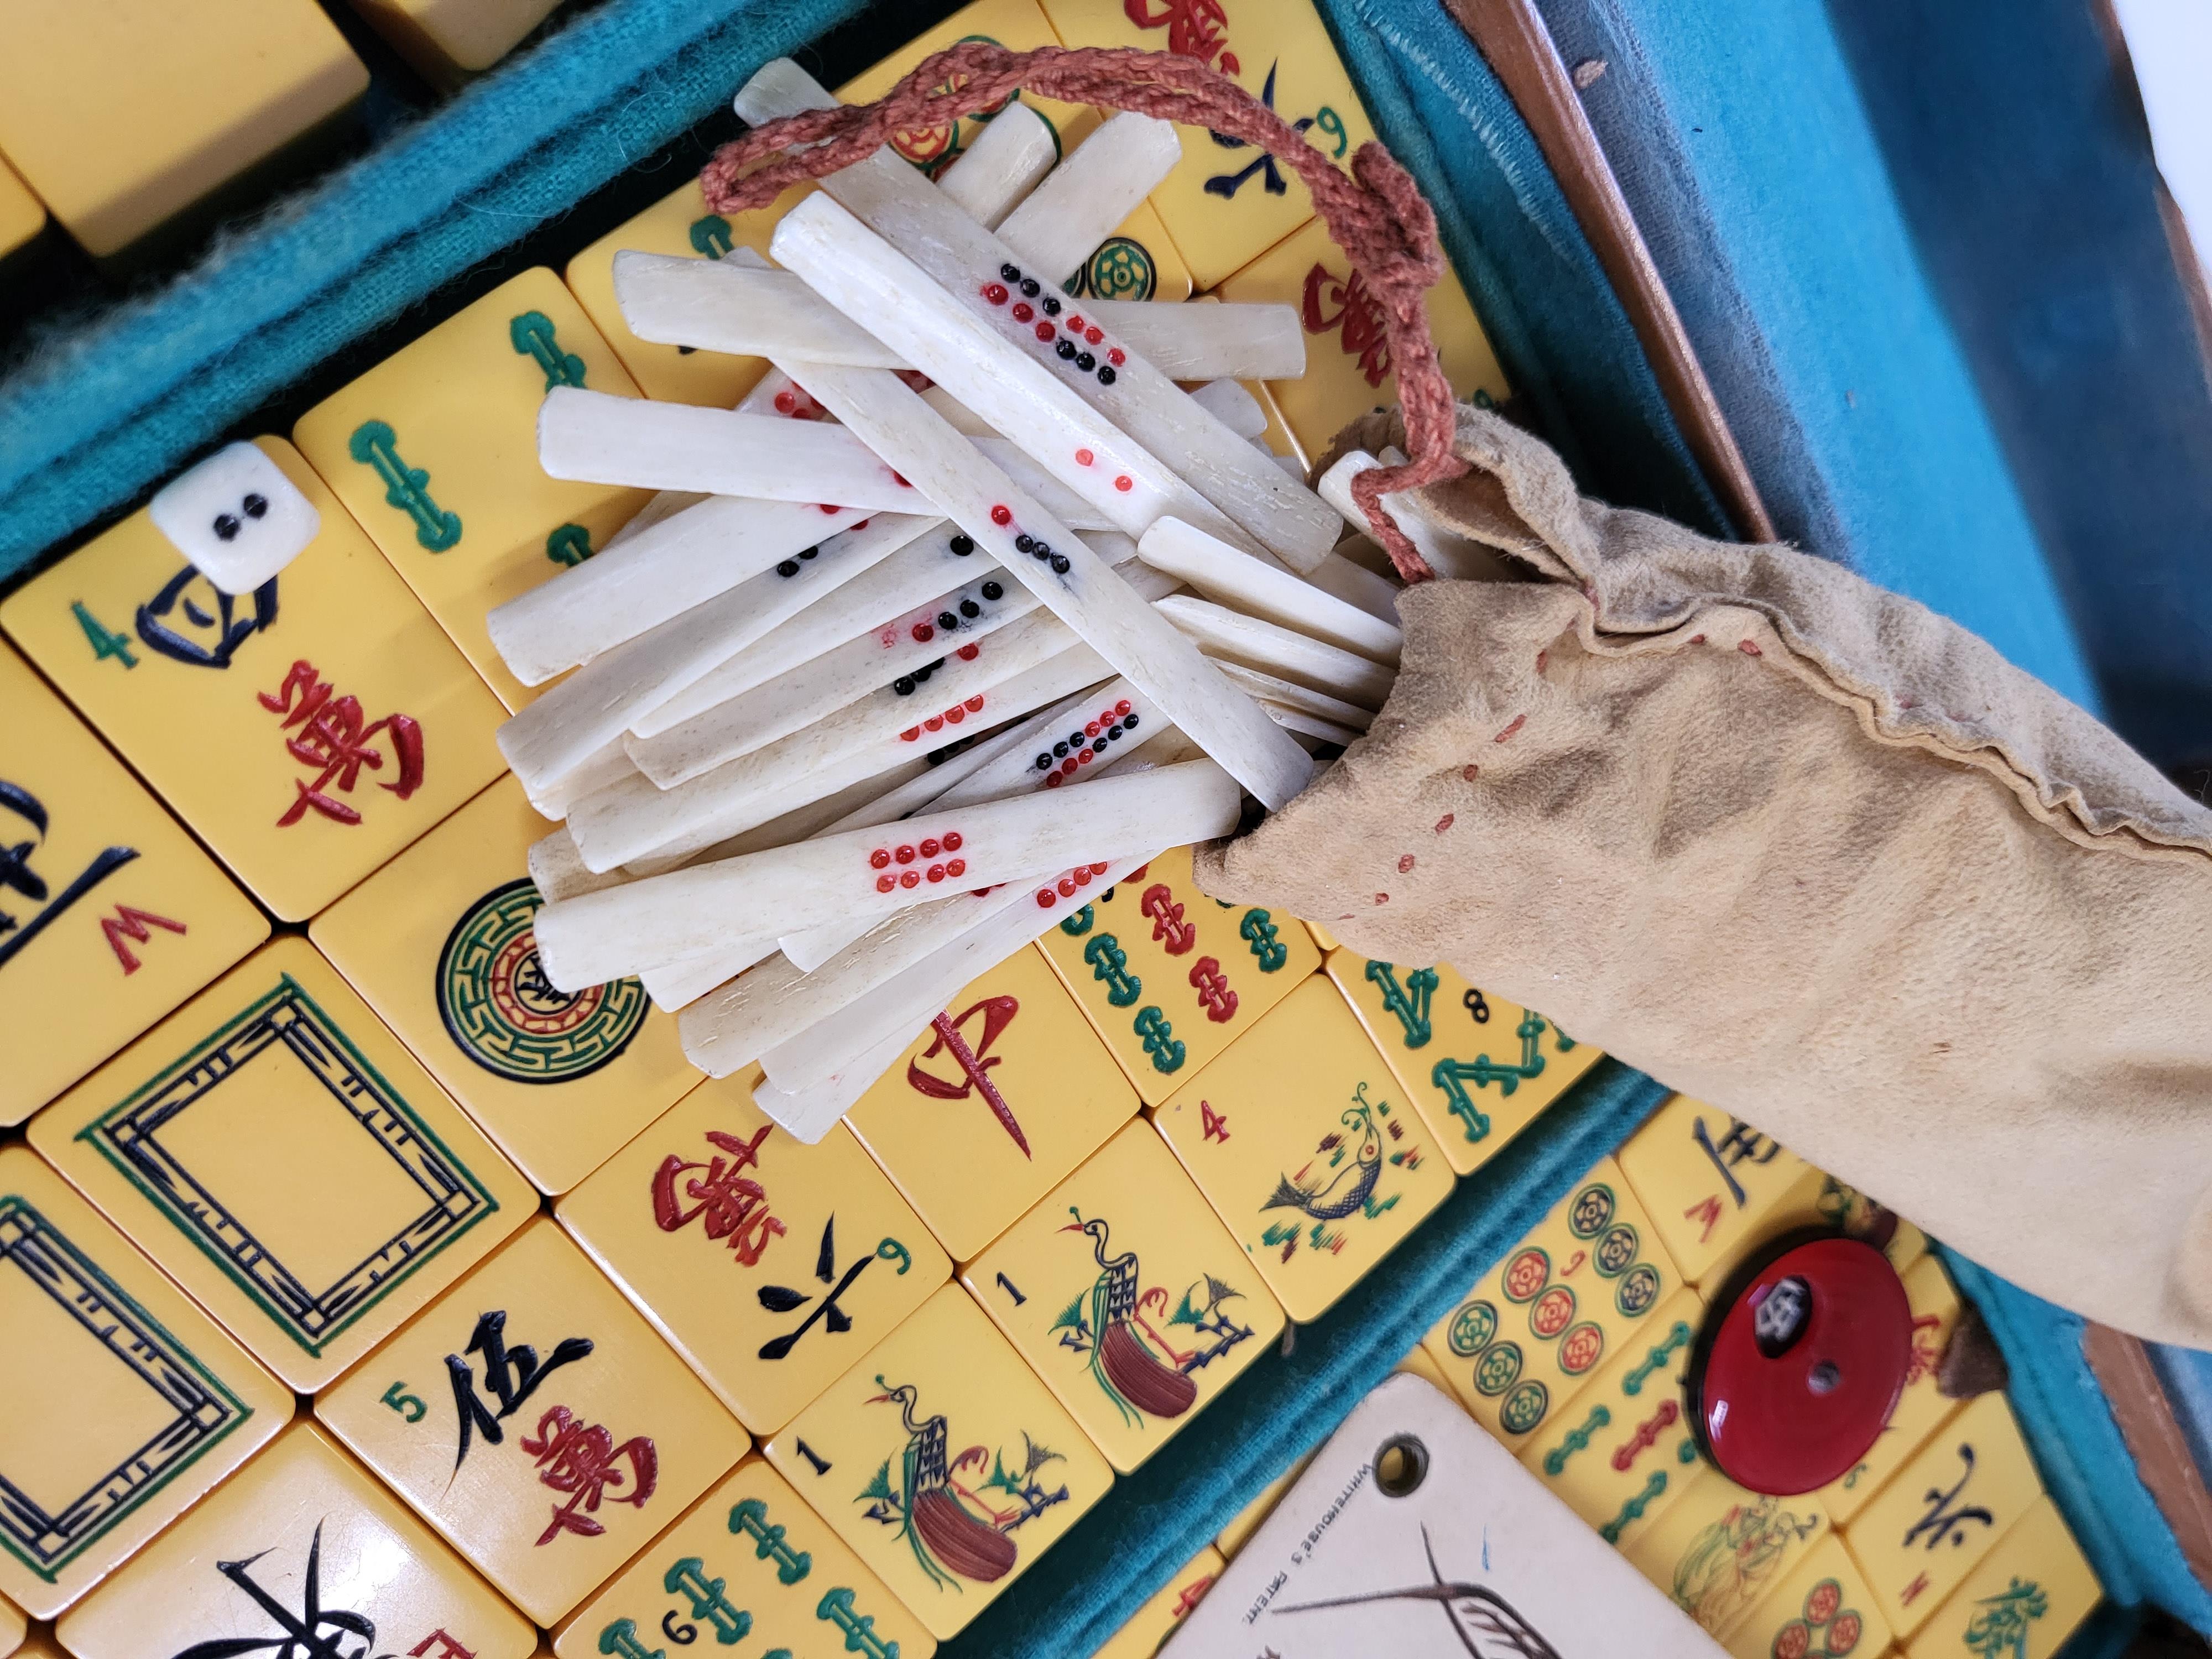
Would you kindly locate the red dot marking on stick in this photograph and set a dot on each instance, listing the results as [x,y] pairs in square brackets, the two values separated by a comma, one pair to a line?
[953,841]
[1443,823]
[911,734]
[923,633]
[956,866]
[1084,457]
[1748,648]
[827,507]
[935,723]
[1117,356]
[936,873]
[1067,767]
[995,293]
[1405,865]
[885,883]
[900,482]
[1093,335]
[911,879]
[1515,725]
[1083,877]
[1123,707]
[1125,482]
[1083,756]
[956,715]
[974,704]
[879,858]
[931,847]
[1045,900]
[1002,516]
[1092,728]
[1067,885]
[785,402]
[905,855]
[1052,781]
[967,653]
[1046,331]
[1024,311]
[1075,323]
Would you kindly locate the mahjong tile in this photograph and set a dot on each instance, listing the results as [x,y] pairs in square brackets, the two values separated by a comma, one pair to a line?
[1348,367]
[1225,204]
[1815,1200]
[1171,977]
[121,1403]
[1018,25]
[1322,937]
[287,1161]
[435,452]
[943,1461]
[113,915]
[306,731]
[447,41]
[12,1627]
[749,1562]
[770,1265]
[438,941]
[1821,1610]
[2023,1601]
[535,1419]
[1922,1409]
[22,216]
[1919,1536]
[1708,1179]
[1246,1521]
[1721,1550]
[1302,1142]
[1160,1616]
[1138,262]
[972,1150]
[302,1539]
[36,1646]
[1622,1452]
[1477,1068]
[1125,1292]
[681,224]
[1522,1344]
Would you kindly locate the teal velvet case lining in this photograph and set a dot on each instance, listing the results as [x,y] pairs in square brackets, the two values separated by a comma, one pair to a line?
[101,416]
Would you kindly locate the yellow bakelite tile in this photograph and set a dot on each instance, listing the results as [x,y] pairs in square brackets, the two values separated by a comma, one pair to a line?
[1922,1409]
[770,1265]
[2022,1602]
[438,941]
[1523,1342]
[305,1527]
[749,1562]
[1622,1452]
[1918,1538]
[12,1628]
[113,915]
[287,1161]
[1348,369]
[1822,1610]
[121,1404]
[22,217]
[943,1461]
[939,1133]
[1477,1068]
[1018,25]
[1171,977]
[307,731]
[1302,1141]
[679,224]
[1422,1363]
[1322,937]
[1125,1292]
[1721,1550]
[1139,261]
[533,1417]
[1154,1622]
[1708,1179]
[1246,1521]
[1226,206]
[447,41]
[436,453]
[121,114]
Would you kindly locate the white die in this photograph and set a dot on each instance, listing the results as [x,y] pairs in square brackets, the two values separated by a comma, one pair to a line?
[236,517]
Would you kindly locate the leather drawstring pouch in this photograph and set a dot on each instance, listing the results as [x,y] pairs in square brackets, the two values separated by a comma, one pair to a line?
[1803,849]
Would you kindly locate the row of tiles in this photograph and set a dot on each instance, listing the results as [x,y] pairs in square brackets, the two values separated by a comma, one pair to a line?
[122,118]
[1946,1507]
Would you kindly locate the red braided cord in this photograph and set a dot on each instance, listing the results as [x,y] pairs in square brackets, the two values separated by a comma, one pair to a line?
[1378,216]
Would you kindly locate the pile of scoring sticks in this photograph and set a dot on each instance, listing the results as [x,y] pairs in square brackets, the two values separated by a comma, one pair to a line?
[963,503]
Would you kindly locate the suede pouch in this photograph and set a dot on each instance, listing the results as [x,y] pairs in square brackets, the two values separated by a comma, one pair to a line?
[1801,848]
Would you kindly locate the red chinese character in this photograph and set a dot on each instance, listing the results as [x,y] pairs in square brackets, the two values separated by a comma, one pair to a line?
[1358,312]
[733,1205]
[1196,28]
[581,1459]
[333,737]
[975,1062]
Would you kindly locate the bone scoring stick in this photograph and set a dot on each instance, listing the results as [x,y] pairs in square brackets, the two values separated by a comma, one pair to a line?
[825,243]
[605,935]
